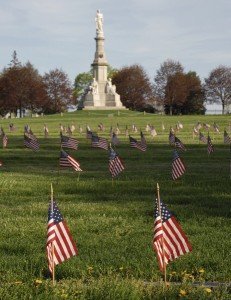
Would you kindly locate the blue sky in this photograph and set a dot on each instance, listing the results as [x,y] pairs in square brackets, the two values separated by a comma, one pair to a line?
[60,33]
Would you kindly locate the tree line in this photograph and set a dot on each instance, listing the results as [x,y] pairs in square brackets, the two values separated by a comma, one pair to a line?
[172,90]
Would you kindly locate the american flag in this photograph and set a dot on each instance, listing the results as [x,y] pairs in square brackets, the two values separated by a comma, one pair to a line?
[202,138]
[179,144]
[153,131]
[169,240]
[89,133]
[210,147]
[46,130]
[60,245]
[143,141]
[216,127]
[69,142]
[171,138]
[30,142]
[67,161]
[227,139]
[4,139]
[135,144]
[178,167]
[99,142]
[115,164]
[115,141]
[206,126]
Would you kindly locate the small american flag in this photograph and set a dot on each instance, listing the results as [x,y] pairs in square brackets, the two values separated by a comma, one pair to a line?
[143,141]
[171,138]
[216,127]
[210,147]
[115,164]
[99,142]
[30,142]
[169,240]
[178,167]
[60,245]
[135,144]
[69,142]
[179,144]
[67,161]
[115,141]
[88,133]
[227,139]
[202,138]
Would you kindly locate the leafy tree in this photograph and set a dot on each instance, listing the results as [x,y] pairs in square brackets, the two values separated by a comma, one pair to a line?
[195,95]
[21,87]
[184,94]
[82,82]
[175,92]
[218,86]
[167,69]
[134,87]
[59,91]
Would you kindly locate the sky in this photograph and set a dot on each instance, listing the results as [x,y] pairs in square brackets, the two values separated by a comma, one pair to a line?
[60,33]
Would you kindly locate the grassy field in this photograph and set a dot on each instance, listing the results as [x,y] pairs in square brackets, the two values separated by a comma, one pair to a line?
[113,223]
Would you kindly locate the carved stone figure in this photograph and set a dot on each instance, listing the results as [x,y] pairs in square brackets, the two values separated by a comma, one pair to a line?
[99,22]
[93,88]
[110,88]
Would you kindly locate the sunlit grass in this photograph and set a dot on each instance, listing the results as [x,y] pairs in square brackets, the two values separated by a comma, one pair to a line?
[112,222]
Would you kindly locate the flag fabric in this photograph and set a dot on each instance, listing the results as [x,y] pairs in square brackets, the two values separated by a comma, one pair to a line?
[210,147]
[227,139]
[171,138]
[58,238]
[88,132]
[115,141]
[216,128]
[116,166]
[202,138]
[69,142]
[46,131]
[179,144]
[99,142]
[169,241]
[178,167]
[135,144]
[143,141]
[4,140]
[66,161]
[30,142]
[153,131]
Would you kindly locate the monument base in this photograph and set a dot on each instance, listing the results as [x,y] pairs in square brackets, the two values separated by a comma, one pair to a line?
[104,108]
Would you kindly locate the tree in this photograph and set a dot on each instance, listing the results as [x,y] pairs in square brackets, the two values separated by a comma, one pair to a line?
[175,92]
[82,82]
[21,88]
[134,87]
[59,91]
[195,95]
[218,86]
[168,68]
[184,94]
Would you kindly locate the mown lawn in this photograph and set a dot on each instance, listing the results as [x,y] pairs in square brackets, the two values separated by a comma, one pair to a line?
[112,222]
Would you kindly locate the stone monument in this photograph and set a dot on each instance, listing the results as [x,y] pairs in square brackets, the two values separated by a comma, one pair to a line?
[101,94]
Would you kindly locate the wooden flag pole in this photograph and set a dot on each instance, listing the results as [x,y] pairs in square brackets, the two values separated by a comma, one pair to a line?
[162,240]
[53,248]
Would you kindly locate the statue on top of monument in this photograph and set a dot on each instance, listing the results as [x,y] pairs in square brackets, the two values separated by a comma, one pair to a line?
[99,22]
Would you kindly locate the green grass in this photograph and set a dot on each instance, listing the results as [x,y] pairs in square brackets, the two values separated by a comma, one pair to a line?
[113,223]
